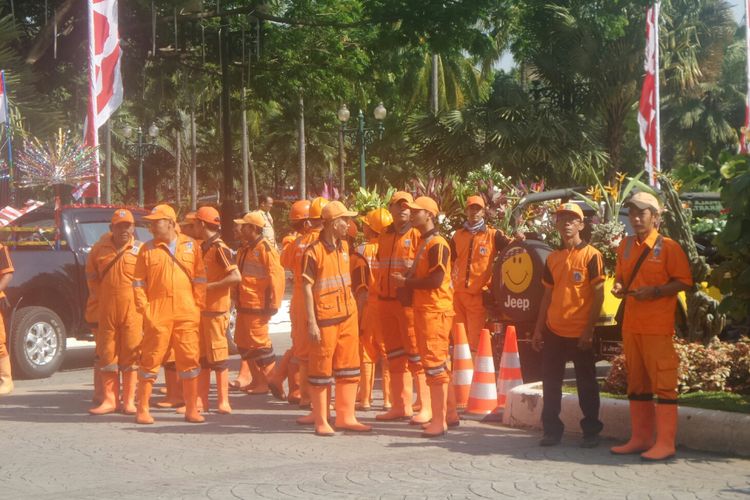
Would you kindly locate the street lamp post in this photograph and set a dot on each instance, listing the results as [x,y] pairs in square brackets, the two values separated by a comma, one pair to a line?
[141,148]
[363,135]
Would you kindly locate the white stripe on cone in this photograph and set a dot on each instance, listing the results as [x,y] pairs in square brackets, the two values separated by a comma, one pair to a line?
[484,364]
[461,351]
[510,360]
[462,377]
[483,391]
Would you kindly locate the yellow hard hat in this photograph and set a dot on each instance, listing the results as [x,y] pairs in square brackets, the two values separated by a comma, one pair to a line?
[316,207]
[378,219]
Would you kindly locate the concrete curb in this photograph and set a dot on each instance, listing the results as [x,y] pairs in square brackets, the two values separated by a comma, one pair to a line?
[698,429]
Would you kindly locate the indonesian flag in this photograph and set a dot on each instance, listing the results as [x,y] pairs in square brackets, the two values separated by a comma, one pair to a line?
[744,131]
[105,80]
[4,115]
[648,111]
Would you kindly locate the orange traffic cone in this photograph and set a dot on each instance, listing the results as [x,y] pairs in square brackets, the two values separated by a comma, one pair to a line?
[510,368]
[463,366]
[483,395]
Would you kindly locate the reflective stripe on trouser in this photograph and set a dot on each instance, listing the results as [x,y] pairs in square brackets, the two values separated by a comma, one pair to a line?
[399,340]
[164,333]
[213,338]
[336,355]
[652,364]
[252,339]
[470,310]
[371,347]
[433,335]
[3,348]
[298,316]
[119,333]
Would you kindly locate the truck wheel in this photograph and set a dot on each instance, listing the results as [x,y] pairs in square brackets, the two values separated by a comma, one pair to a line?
[37,342]
[230,330]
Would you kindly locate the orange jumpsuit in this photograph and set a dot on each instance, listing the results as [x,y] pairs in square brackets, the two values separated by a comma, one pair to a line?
[170,290]
[473,254]
[6,266]
[261,291]
[217,257]
[336,356]
[363,270]
[293,260]
[396,253]
[648,325]
[433,306]
[109,273]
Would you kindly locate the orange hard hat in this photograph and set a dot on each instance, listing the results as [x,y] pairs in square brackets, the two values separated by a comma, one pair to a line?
[316,207]
[300,210]
[378,219]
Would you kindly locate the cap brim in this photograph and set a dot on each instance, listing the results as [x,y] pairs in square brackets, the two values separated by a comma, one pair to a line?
[640,205]
[480,205]
[558,212]
[398,199]
[156,217]
[239,222]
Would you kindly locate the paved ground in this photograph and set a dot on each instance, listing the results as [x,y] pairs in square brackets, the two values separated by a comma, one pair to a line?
[52,449]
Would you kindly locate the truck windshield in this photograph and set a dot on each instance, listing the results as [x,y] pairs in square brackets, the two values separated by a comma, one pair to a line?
[92,231]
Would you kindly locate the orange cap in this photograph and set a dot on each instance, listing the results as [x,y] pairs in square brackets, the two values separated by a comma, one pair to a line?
[336,209]
[425,203]
[300,210]
[122,215]
[475,200]
[378,219]
[571,208]
[162,212]
[644,200]
[316,207]
[255,218]
[208,215]
[401,196]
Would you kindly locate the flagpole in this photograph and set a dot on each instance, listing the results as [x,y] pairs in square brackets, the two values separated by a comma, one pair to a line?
[657,104]
[9,138]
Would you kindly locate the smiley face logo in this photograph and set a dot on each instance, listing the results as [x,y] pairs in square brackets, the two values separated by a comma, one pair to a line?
[517,270]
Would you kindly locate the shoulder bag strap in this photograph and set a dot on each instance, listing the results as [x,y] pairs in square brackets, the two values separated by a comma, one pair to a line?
[113,262]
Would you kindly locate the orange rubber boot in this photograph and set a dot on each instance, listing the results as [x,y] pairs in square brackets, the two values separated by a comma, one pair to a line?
[244,378]
[366,381]
[143,415]
[111,394]
[439,401]
[666,432]
[274,384]
[222,392]
[452,419]
[400,398]
[98,388]
[423,395]
[204,386]
[174,397]
[319,400]
[190,391]
[129,381]
[346,419]
[293,384]
[304,386]
[386,372]
[642,417]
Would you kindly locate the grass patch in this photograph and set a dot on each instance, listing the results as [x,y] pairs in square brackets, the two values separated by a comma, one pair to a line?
[722,401]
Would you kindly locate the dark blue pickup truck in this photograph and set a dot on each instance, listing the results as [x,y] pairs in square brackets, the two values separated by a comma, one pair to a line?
[48,293]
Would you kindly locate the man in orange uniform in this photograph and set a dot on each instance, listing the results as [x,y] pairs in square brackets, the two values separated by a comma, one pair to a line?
[6,274]
[221,275]
[397,246]
[573,297]
[260,293]
[429,282]
[109,274]
[364,272]
[331,315]
[473,250]
[170,291]
[650,295]
[300,339]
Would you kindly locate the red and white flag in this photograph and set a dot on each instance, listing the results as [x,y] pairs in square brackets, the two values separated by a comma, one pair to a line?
[105,79]
[745,132]
[9,214]
[648,111]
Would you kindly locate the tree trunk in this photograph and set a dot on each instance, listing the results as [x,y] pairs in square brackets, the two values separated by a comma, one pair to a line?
[178,167]
[301,147]
[108,164]
[194,163]
[435,91]
[245,159]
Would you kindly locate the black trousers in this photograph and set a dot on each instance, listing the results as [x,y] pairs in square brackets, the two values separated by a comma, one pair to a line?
[556,352]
